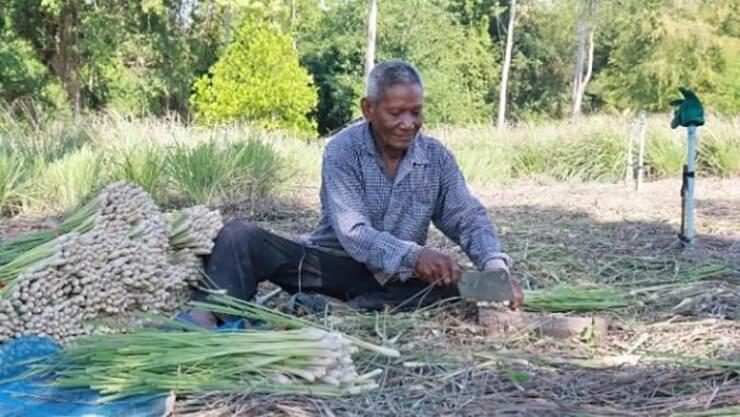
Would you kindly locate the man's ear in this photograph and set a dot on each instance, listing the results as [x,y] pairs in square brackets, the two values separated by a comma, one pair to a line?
[368,110]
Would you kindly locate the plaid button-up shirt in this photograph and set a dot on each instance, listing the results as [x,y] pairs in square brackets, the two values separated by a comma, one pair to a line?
[383,221]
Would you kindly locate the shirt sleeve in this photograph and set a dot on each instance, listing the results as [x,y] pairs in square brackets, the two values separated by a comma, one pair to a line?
[343,201]
[462,218]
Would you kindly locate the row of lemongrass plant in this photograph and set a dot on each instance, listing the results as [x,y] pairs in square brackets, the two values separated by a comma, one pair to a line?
[592,149]
[48,167]
[211,173]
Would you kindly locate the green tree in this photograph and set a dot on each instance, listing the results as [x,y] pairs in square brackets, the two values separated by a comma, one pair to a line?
[542,62]
[457,60]
[257,79]
[658,45]
[21,73]
[139,57]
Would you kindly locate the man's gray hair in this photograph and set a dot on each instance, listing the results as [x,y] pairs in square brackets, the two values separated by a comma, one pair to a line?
[389,73]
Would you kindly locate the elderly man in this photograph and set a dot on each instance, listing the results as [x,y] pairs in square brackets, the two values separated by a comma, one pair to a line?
[383,182]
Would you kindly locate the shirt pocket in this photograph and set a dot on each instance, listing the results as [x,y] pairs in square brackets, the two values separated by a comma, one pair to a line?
[424,187]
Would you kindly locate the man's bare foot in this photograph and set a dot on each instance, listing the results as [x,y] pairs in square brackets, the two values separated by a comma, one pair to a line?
[203,318]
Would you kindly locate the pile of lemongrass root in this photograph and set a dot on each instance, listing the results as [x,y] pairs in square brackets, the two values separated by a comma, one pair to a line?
[301,358]
[113,257]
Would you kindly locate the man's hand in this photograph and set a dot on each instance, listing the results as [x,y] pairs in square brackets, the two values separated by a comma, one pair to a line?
[501,264]
[437,268]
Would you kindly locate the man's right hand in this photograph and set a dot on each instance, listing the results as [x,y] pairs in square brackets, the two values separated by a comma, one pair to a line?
[437,268]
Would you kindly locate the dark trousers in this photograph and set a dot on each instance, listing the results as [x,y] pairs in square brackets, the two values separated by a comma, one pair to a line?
[245,255]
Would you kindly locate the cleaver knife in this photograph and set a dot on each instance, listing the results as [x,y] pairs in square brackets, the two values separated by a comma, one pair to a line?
[492,286]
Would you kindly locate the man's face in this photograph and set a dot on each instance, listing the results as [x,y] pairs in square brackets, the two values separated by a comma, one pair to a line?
[397,117]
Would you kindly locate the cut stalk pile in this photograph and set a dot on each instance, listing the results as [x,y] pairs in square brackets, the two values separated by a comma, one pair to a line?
[303,361]
[567,298]
[232,306]
[115,260]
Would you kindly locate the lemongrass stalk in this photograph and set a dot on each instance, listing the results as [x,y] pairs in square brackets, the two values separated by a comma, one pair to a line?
[81,221]
[155,361]
[369,375]
[233,306]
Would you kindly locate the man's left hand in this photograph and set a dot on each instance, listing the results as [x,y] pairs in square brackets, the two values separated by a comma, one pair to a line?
[501,264]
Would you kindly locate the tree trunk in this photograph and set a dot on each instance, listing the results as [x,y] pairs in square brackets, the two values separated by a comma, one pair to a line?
[581,80]
[581,36]
[501,115]
[372,21]
[293,14]
[65,61]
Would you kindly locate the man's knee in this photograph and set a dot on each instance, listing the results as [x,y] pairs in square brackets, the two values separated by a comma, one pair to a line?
[239,231]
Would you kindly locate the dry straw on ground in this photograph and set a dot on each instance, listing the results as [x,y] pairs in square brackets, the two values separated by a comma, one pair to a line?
[673,352]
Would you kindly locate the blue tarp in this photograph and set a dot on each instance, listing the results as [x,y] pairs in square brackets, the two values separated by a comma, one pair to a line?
[38,398]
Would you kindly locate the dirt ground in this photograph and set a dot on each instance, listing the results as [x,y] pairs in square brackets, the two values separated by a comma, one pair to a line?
[658,358]
[581,217]
[674,352]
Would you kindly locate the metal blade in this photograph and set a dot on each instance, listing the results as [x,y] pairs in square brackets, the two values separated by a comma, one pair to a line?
[492,286]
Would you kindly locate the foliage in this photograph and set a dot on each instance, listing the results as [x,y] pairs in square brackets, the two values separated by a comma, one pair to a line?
[148,58]
[543,57]
[257,167]
[26,132]
[593,149]
[214,171]
[142,165]
[656,47]
[21,73]
[184,164]
[64,183]
[665,153]
[200,172]
[258,79]
[719,152]
[12,183]
[457,63]
[138,57]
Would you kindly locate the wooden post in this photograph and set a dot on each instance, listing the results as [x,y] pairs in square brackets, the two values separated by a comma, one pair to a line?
[629,175]
[641,155]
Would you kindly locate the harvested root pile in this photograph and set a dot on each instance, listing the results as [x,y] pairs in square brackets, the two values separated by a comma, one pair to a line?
[120,262]
[192,232]
[194,229]
[303,361]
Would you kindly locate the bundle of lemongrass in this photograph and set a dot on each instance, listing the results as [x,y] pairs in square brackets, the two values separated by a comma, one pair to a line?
[566,298]
[80,221]
[302,361]
[195,229]
[192,234]
[307,358]
[122,263]
[230,306]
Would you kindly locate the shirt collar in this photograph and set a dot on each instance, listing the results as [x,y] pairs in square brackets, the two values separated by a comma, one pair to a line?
[416,152]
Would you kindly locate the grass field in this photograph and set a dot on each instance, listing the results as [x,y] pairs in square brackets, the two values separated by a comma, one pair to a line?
[47,168]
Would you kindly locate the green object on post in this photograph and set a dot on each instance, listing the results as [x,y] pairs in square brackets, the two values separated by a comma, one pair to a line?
[689,114]
[690,111]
